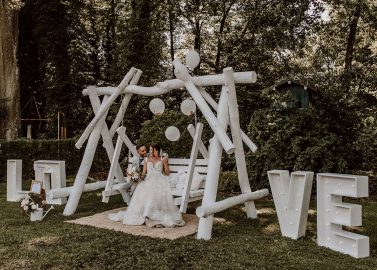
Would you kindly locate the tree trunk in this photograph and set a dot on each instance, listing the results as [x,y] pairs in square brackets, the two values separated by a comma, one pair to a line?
[171,31]
[9,75]
[351,39]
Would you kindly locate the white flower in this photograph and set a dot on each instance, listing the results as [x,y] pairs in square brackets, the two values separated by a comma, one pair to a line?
[23,203]
[26,208]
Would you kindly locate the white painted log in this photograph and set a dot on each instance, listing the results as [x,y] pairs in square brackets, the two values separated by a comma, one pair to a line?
[204,211]
[64,192]
[122,134]
[124,105]
[202,147]
[181,73]
[84,169]
[105,107]
[214,105]
[191,168]
[166,86]
[107,140]
[110,177]
[214,163]
[235,128]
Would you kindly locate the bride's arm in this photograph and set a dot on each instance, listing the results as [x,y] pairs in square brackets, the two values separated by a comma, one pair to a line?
[166,166]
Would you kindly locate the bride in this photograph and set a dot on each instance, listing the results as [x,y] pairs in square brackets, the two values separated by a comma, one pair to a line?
[152,201]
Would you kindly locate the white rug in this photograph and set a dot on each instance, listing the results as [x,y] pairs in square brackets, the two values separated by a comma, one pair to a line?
[101,221]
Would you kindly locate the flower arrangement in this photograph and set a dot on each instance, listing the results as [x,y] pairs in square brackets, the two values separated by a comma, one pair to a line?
[134,175]
[32,202]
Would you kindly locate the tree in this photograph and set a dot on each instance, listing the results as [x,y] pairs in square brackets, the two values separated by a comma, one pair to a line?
[9,80]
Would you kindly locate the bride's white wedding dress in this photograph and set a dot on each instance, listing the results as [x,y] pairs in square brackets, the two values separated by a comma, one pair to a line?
[152,202]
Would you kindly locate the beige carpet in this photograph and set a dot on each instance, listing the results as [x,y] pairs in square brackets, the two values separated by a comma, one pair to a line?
[101,221]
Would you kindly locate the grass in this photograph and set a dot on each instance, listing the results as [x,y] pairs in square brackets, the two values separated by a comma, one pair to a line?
[239,243]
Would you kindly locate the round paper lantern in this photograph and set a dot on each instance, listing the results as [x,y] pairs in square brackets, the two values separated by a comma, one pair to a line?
[192,59]
[157,106]
[172,133]
[188,107]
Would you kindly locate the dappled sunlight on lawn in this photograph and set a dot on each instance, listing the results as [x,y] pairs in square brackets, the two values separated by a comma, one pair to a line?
[271,229]
[42,242]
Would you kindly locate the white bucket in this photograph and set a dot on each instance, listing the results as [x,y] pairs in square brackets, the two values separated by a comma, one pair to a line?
[36,215]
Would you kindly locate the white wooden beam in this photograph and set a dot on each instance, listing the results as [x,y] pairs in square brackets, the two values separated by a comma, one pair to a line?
[104,109]
[181,73]
[64,192]
[124,105]
[235,128]
[214,105]
[202,147]
[168,85]
[204,211]
[107,141]
[84,169]
[214,165]
[191,168]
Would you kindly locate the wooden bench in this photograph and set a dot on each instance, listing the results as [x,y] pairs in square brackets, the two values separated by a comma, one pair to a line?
[178,164]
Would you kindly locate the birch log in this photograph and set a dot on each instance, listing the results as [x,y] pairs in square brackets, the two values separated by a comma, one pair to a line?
[124,105]
[214,105]
[181,73]
[202,147]
[235,128]
[168,85]
[110,177]
[64,192]
[204,211]
[103,110]
[107,141]
[122,135]
[191,168]
[84,169]
[214,163]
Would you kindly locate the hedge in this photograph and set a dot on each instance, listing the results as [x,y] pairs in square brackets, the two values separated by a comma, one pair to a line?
[30,151]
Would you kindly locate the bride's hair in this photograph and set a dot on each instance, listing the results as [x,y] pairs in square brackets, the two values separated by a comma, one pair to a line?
[155,146]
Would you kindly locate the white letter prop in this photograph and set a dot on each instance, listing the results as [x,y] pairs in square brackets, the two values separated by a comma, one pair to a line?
[332,213]
[291,197]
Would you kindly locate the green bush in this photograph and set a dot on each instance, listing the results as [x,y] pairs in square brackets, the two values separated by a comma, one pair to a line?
[320,138]
[229,182]
[30,151]
[153,131]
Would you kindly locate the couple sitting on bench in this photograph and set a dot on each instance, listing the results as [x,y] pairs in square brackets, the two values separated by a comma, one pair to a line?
[152,201]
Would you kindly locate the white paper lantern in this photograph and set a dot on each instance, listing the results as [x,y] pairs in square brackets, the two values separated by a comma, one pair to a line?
[188,107]
[192,59]
[157,106]
[172,133]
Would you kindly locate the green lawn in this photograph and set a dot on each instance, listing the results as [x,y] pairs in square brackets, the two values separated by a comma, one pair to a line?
[239,243]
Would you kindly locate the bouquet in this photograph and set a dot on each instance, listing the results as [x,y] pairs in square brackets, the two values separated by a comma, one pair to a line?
[32,202]
[134,175]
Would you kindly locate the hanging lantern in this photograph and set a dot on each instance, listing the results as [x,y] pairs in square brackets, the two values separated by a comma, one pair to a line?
[192,59]
[188,107]
[172,134]
[157,106]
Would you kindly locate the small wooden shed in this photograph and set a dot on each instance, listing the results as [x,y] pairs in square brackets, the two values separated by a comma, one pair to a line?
[299,94]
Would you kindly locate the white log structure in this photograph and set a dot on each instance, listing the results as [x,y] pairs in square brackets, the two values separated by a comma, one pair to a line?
[234,123]
[90,150]
[202,148]
[190,171]
[227,115]
[205,211]
[214,162]
[64,192]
